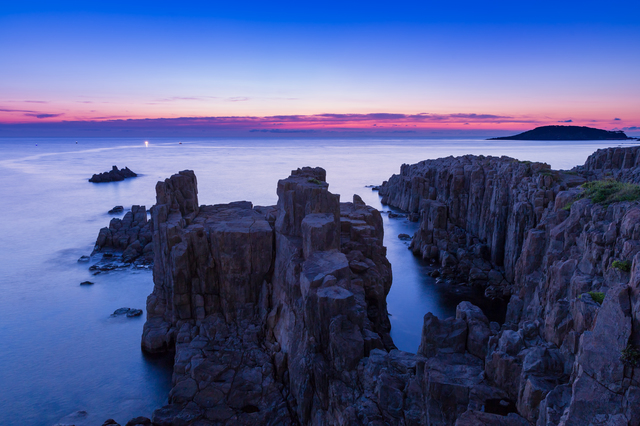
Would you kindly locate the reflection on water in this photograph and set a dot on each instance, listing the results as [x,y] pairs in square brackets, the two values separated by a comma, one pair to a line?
[414,292]
[61,352]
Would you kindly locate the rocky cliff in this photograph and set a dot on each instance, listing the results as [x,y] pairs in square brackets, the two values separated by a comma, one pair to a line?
[271,310]
[567,353]
[475,212]
[277,314]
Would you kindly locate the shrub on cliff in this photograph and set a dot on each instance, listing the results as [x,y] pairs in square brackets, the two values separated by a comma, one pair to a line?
[610,191]
[631,356]
[597,296]
[622,265]
[567,206]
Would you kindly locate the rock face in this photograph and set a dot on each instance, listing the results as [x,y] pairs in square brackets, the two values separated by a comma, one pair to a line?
[113,175]
[524,230]
[622,164]
[475,212]
[127,240]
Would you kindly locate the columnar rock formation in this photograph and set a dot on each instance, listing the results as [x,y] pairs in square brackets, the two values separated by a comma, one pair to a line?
[564,358]
[619,163]
[475,212]
[270,309]
[278,314]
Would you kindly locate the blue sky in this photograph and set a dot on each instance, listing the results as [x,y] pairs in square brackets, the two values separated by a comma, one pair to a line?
[537,63]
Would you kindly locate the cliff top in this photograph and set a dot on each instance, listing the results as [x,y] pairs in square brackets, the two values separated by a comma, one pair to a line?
[566,133]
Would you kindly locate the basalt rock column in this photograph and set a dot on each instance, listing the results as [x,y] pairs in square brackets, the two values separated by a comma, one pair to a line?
[320,317]
[271,310]
[176,206]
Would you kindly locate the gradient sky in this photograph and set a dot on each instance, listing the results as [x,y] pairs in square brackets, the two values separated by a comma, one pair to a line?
[258,68]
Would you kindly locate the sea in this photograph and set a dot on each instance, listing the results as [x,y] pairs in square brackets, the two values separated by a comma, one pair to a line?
[60,349]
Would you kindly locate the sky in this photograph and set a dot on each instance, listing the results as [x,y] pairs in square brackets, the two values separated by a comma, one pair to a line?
[317,68]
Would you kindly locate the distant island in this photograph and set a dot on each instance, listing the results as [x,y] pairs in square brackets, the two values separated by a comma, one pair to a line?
[566,133]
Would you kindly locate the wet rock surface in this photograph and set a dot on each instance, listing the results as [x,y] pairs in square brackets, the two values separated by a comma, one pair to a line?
[113,175]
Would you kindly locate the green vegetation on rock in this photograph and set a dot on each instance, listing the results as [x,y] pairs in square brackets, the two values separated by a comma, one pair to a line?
[316,181]
[610,191]
[631,356]
[597,296]
[623,265]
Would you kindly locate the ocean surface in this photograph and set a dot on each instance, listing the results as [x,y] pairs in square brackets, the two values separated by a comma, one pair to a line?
[61,351]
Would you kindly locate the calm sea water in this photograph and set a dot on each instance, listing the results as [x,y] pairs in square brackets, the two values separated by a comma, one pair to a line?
[60,350]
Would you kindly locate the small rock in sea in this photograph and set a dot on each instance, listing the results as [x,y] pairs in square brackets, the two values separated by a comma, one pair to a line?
[129,312]
[396,215]
[113,175]
[84,258]
[86,283]
[116,210]
[404,237]
[110,422]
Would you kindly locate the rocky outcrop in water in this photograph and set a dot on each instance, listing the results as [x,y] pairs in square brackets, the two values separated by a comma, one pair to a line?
[126,241]
[277,314]
[113,175]
[271,310]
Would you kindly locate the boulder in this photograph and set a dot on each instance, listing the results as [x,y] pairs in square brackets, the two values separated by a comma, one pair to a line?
[442,336]
[478,328]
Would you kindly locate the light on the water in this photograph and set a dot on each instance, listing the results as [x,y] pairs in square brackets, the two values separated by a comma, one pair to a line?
[146,143]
